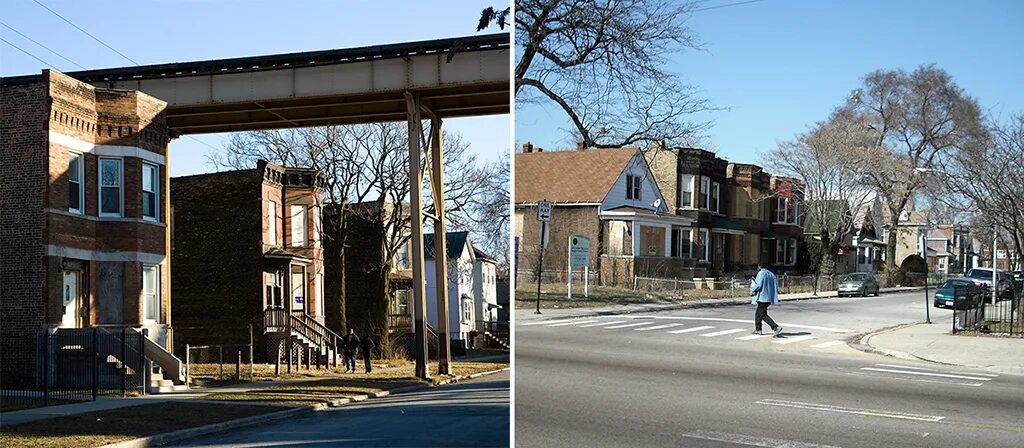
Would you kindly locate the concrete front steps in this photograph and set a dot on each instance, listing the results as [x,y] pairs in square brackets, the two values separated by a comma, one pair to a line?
[160,385]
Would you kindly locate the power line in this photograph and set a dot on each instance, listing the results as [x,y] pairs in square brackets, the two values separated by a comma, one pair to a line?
[86,32]
[26,52]
[727,5]
[41,45]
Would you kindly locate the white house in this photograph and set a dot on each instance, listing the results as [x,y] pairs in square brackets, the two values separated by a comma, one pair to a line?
[462,306]
[485,292]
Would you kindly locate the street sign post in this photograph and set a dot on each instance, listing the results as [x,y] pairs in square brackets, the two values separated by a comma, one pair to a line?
[544,209]
[579,255]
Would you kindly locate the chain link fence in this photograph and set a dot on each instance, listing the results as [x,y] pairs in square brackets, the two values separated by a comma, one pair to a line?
[733,286]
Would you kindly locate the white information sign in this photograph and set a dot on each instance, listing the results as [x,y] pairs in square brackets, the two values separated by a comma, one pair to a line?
[579,251]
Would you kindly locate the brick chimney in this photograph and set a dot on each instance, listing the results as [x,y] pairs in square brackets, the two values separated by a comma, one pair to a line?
[527,147]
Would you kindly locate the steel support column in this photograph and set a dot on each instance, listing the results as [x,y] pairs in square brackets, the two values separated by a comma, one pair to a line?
[412,102]
[444,355]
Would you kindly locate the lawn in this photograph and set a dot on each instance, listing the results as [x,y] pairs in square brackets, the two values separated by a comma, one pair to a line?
[117,425]
[555,296]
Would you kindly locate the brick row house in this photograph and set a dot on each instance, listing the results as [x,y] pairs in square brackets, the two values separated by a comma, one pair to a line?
[267,222]
[678,213]
[83,218]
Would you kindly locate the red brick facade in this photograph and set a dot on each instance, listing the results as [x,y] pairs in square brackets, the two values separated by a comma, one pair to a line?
[45,123]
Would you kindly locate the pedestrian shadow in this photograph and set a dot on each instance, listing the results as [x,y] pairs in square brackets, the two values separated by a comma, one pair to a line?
[789,334]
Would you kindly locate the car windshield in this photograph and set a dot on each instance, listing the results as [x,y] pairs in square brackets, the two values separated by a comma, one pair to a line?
[855,278]
[952,283]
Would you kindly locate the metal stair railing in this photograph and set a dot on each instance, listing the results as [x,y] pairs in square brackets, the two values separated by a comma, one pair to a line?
[301,325]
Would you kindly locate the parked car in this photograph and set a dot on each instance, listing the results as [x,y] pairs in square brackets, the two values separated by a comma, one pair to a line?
[858,283]
[958,293]
[983,277]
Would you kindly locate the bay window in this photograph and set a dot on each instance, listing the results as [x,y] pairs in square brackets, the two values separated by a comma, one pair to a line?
[150,192]
[151,293]
[111,186]
[76,193]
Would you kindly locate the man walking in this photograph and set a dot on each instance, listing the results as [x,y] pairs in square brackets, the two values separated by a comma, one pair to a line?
[765,292]
[367,348]
[349,346]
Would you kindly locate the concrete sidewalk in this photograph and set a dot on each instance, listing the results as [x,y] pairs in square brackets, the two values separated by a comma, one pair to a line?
[527,314]
[935,343]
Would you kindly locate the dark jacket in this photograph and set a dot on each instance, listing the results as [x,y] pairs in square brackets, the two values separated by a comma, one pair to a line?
[350,343]
[366,345]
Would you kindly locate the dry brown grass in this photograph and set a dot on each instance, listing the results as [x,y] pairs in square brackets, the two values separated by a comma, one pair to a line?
[104,427]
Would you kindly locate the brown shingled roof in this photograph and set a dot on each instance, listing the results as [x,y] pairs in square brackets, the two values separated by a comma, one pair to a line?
[569,176]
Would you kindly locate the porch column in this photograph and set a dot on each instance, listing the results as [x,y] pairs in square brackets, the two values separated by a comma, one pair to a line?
[412,102]
[440,249]
[668,240]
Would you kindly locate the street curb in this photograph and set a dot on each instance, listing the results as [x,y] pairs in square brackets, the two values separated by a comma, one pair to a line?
[191,433]
[709,304]
[863,343]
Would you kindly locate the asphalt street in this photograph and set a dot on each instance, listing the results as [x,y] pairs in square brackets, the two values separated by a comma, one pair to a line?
[469,414]
[699,378]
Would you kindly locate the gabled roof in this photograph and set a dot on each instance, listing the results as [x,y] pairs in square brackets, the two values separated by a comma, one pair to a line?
[456,242]
[481,255]
[569,176]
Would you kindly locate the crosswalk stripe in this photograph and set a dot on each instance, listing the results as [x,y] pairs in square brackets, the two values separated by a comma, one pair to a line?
[754,336]
[546,322]
[658,327]
[601,324]
[629,325]
[792,340]
[828,344]
[933,370]
[687,330]
[723,332]
[575,322]
[942,375]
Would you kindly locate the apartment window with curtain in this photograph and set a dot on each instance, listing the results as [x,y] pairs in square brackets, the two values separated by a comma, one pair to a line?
[150,192]
[715,190]
[299,225]
[705,189]
[272,222]
[686,190]
[76,191]
[111,186]
[151,293]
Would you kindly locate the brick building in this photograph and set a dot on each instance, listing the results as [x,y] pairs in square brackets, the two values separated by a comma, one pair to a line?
[782,239]
[83,234]
[247,244]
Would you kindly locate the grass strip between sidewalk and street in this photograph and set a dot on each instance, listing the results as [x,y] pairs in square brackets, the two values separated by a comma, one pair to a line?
[99,428]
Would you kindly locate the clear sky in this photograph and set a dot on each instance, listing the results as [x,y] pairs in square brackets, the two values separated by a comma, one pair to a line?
[160,31]
[781,65]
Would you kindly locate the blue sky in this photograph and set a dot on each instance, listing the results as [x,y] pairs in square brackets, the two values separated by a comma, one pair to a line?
[159,31]
[781,65]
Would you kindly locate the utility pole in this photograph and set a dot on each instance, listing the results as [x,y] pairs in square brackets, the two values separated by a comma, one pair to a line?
[924,254]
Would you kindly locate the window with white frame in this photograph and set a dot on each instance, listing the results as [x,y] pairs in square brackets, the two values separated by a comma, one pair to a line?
[780,251]
[111,186]
[402,257]
[76,192]
[467,310]
[272,222]
[633,184]
[151,293]
[705,245]
[780,209]
[298,225]
[792,251]
[705,189]
[715,190]
[686,190]
[150,192]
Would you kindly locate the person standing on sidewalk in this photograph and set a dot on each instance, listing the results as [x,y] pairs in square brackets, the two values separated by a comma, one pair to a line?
[367,348]
[349,346]
[765,292]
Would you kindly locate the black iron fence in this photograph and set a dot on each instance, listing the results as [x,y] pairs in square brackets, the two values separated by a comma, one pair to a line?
[207,365]
[76,365]
[976,312]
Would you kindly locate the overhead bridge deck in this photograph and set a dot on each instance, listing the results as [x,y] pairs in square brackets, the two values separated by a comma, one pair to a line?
[456,77]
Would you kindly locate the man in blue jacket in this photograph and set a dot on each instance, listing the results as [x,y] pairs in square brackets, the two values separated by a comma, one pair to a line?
[765,290]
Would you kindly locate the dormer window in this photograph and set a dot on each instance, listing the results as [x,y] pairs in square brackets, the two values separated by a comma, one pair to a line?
[633,184]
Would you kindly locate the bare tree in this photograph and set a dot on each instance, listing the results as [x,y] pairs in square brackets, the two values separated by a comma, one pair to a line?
[601,62]
[919,120]
[826,161]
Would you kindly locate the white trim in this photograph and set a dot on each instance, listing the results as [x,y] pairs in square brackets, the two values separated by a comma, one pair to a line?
[54,250]
[105,219]
[99,188]
[80,145]
[634,216]
[727,231]
[560,204]
[81,182]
